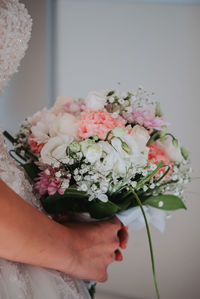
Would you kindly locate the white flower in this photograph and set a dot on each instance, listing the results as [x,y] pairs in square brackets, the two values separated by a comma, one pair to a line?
[102,197]
[119,159]
[96,100]
[140,135]
[173,152]
[133,156]
[115,114]
[121,101]
[134,184]
[145,188]
[38,116]
[58,174]
[55,149]
[65,184]
[83,187]
[41,122]
[111,100]
[120,166]
[108,162]
[152,186]
[112,160]
[65,124]
[60,101]
[91,150]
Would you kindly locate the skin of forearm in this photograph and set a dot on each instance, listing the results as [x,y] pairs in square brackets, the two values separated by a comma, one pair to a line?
[29,236]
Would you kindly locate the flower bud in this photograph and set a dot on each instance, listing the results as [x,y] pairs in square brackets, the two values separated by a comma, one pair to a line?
[75,147]
[125,147]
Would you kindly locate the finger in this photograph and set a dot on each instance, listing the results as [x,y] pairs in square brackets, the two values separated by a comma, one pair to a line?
[118,256]
[123,237]
[116,221]
[103,277]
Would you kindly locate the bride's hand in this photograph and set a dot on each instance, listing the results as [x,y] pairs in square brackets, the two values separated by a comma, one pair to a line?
[94,246]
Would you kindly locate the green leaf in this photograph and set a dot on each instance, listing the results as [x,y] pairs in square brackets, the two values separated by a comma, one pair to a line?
[31,169]
[165,202]
[125,204]
[110,93]
[124,200]
[9,137]
[99,209]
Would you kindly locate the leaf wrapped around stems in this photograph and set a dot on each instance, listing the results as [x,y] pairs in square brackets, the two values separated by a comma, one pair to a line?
[71,200]
[100,210]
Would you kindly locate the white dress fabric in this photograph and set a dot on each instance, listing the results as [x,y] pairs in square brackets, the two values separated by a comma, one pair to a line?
[17,280]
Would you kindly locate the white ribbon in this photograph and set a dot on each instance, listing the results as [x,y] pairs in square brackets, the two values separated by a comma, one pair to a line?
[134,219]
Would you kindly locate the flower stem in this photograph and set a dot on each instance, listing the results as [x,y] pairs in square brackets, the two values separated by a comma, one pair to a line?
[150,243]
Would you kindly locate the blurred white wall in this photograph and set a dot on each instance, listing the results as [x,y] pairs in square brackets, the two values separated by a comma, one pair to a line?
[100,43]
[27,90]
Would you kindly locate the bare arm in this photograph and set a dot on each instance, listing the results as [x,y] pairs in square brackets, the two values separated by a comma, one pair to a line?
[29,236]
[81,250]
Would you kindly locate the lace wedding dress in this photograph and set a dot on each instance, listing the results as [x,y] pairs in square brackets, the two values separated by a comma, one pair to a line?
[17,280]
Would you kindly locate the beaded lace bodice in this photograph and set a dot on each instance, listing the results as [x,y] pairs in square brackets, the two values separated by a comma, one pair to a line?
[13,176]
[15,32]
[21,281]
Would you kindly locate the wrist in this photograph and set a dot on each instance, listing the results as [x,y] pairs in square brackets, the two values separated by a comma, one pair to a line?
[63,254]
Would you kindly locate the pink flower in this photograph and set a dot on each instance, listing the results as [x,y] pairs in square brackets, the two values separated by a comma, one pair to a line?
[145,118]
[48,182]
[35,147]
[156,154]
[98,123]
[74,108]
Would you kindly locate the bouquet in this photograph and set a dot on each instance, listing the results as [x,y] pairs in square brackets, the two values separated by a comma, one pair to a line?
[107,154]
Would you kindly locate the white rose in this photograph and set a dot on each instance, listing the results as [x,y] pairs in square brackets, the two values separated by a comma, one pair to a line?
[96,100]
[41,125]
[120,166]
[55,149]
[60,101]
[38,116]
[110,157]
[113,161]
[132,147]
[173,152]
[65,124]
[140,136]
[93,153]
[91,150]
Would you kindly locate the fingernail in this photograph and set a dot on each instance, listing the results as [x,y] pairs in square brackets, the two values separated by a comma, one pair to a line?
[123,246]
